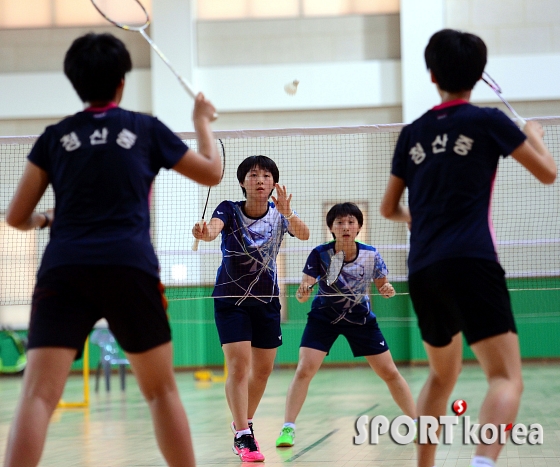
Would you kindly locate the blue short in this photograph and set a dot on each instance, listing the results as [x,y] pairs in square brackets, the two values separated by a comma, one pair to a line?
[259,324]
[69,300]
[364,339]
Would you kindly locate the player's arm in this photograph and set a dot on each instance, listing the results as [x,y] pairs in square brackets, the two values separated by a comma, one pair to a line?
[384,287]
[391,207]
[204,166]
[534,155]
[208,231]
[304,292]
[31,188]
[296,226]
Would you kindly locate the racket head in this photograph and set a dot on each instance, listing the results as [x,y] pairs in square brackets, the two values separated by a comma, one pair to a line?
[337,263]
[129,15]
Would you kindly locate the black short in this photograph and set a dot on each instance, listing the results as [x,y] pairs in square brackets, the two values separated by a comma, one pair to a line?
[461,294]
[69,300]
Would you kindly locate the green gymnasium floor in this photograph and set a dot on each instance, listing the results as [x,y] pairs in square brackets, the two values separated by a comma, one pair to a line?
[116,429]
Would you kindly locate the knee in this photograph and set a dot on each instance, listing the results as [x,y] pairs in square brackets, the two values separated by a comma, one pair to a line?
[238,371]
[158,390]
[389,374]
[445,380]
[305,372]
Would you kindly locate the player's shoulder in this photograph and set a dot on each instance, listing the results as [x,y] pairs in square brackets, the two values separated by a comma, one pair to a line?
[228,205]
[366,246]
[325,246]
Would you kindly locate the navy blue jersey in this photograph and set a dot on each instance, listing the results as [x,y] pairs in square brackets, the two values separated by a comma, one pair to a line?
[347,299]
[101,166]
[448,160]
[248,274]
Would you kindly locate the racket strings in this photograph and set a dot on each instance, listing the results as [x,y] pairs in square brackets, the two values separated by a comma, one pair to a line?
[125,14]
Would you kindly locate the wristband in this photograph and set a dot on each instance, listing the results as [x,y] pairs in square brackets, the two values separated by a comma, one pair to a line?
[292,214]
[47,221]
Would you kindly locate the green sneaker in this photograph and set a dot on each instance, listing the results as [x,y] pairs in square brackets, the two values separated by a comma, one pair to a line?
[286,438]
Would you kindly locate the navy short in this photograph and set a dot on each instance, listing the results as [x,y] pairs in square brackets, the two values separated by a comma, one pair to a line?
[259,324]
[364,339]
[461,294]
[69,300]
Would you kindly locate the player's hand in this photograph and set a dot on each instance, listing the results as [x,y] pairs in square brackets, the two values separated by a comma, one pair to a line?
[282,200]
[200,230]
[533,129]
[387,290]
[303,292]
[204,110]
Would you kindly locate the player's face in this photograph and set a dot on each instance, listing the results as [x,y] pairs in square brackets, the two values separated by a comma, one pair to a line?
[258,183]
[345,228]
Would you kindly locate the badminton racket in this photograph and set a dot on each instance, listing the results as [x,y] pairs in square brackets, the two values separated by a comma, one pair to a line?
[498,90]
[201,222]
[131,15]
[333,271]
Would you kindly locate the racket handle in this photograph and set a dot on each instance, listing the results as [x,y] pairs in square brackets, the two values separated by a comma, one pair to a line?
[521,122]
[196,240]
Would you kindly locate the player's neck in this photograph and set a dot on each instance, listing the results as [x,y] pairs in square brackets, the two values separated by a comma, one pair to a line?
[350,249]
[254,208]
[454,96]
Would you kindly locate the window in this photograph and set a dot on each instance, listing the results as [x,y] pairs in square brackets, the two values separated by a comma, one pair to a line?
[53,13]
[237,9]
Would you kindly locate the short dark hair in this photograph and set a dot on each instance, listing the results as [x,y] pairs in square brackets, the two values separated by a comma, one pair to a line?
[457,59]
[95,64]
[263,162]
[343,210]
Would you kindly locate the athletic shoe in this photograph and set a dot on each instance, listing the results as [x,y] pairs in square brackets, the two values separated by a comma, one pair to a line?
[232,426]
[246,448]
[286,438]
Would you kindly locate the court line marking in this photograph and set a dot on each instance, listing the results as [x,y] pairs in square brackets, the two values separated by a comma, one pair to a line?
[308,448]
[367,410]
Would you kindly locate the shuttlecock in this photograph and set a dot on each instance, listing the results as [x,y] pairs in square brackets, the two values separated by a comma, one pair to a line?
[291,88]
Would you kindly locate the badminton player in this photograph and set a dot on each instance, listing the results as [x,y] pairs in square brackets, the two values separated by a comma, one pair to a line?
[343,308]
[246,303]
[448,160]
[99,262]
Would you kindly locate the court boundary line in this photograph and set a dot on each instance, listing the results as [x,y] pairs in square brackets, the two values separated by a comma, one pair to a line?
[311,446]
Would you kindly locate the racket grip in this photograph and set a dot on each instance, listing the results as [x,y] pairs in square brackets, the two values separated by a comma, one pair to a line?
[521,122]
[196,240]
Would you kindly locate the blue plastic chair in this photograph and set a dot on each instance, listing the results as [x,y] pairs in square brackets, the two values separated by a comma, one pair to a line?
[108,356]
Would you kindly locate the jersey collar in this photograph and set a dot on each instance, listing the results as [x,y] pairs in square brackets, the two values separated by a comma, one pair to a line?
[450,104]
[111,105]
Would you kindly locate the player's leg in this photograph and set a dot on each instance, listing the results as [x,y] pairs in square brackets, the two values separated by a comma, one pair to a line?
[445,366]
[500,359]
[262,363]
[43,383]
[63,314]
[154,371]
[238,362]
[266,338]
[367,341]
[385,368]
[310,361]
[491,332]
[134,309]
[317,339]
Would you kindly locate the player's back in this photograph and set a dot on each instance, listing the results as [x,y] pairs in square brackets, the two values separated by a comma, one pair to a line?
[448,159]
[101,165]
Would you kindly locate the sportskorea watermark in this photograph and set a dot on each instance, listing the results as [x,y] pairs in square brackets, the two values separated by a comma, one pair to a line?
[403,430]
